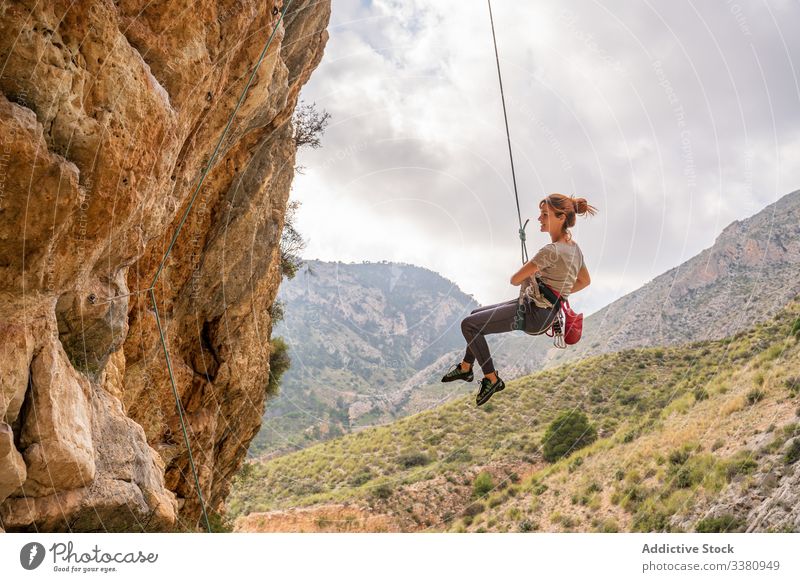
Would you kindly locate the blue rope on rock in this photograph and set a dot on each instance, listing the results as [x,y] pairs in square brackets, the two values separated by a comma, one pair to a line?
[151,289]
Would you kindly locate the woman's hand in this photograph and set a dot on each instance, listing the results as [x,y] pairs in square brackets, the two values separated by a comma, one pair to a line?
[527,270]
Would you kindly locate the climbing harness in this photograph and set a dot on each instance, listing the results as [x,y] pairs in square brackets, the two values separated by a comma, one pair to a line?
[151,288]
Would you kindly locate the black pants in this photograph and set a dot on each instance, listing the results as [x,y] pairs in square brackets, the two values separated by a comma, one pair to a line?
[499,318]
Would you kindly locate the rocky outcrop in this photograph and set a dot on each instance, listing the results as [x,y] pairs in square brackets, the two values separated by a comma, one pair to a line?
[108,114]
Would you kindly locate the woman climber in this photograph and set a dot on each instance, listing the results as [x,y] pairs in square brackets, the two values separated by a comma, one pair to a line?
[559,264]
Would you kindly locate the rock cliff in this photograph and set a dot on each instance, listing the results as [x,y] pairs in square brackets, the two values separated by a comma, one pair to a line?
[109,111]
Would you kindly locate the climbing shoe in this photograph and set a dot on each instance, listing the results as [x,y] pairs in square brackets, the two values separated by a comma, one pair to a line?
[487,389]
[455,373]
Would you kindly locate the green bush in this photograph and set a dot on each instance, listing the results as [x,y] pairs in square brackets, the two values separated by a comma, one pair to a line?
[678,457]
[279,362]
[793,453]
[741,464]
[473,509]
[723,524]
[382,491]
[649,519]
[755,395]
[569,432]
[459,455]
[684,478]
[408,460]
[700,394]
[483,484]
[796,328]
[793,385]
[220,523]
[360,478]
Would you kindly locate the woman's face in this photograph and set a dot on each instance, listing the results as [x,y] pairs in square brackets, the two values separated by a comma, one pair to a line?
[549,221]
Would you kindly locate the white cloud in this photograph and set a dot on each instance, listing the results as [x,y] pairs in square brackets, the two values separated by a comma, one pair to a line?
[414,166]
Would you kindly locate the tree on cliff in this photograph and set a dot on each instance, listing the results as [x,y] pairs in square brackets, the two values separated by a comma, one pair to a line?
[292,243]
[309,125]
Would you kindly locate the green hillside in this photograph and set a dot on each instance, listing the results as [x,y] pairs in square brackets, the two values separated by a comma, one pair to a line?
[678,430]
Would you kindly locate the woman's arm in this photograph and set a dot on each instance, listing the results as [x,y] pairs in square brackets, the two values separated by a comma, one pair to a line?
[582,281]
[527,270]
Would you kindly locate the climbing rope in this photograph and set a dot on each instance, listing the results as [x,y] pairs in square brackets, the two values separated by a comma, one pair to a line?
[151,289]
[508,136]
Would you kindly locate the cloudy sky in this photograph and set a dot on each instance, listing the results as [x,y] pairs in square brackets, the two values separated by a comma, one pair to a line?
[673,118]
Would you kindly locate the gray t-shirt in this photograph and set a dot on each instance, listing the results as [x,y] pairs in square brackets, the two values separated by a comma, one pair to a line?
[559,264]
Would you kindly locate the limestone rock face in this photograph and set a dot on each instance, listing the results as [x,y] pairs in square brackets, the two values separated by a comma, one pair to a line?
[108,114]
[12,466]
[56,435]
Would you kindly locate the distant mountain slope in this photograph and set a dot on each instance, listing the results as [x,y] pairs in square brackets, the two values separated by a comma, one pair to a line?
[702,436]
[356,333]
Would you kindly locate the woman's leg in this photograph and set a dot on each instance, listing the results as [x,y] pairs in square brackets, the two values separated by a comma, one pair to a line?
[469,357]
[493,305]
[498,318]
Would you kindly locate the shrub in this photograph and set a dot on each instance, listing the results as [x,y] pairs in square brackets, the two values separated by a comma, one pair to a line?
[678,457]
[569,432]
[382,491]
[408,460]
[292,243]
[220,523]
[755,395]
[796,328]
[630,436]
[309,125]
[649,519]
[723,524]
[526,526]
[632,496]
[473,509]
[538,488]
[792,453]
[360,478]
[700,394]
[573,466]
[683,478]
[793,385]
[459,455]
[608,525]
[483,484]
[279,362]
[742,464]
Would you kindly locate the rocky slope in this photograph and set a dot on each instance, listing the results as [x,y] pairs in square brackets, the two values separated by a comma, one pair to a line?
[696,437]
[356,333]
[108,114]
